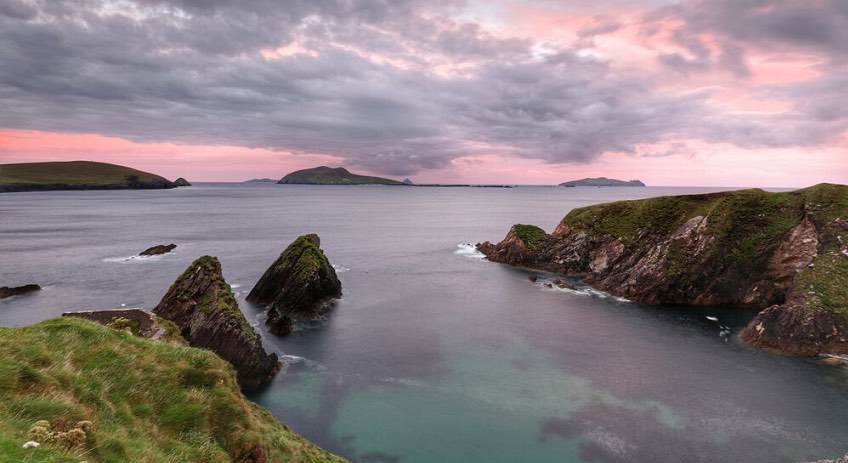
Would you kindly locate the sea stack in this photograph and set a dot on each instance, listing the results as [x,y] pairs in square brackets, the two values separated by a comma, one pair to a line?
[297,285]
[203,306]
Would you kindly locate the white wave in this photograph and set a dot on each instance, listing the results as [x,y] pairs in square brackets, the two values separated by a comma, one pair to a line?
[124,260]
[715,319]
[297,360]
[469,250]
[340,269]
[234,286]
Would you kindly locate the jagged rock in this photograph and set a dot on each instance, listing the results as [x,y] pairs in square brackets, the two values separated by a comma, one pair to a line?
[203,306]
[158,249]
[181,182]
[297,284]
[7,291]
[745,248]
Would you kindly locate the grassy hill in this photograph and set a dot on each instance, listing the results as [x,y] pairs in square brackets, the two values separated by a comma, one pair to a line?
[333,176]
[147,401]
[602,181]
[76,175]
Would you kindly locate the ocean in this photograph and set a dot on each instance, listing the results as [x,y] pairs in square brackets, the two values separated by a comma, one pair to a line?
[434,354]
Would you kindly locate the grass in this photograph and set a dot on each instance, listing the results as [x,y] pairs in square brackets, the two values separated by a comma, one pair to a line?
[72,173]
[532,236]
[149,401]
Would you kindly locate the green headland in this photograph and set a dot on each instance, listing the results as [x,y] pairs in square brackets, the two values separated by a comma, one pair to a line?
[76,175]
[333,176]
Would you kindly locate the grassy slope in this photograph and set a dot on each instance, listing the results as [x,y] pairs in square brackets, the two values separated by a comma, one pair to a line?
[744,223]
[334,176]
[71,173]
[149,401]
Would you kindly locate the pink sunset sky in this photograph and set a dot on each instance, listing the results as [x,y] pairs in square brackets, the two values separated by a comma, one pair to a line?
[708,93]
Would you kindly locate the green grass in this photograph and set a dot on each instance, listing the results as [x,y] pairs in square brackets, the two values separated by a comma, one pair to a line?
[71,173]
[532,236]
[149,401]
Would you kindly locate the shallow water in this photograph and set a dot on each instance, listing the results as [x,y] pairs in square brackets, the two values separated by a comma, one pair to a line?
[434,354]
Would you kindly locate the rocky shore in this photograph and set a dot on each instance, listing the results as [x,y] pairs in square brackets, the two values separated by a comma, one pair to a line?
[783,252]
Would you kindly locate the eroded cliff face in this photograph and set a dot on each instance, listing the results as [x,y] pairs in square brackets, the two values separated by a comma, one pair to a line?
[298,284]
[744,248]
[202,305]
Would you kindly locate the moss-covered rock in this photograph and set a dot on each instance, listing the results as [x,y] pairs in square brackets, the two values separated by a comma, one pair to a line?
[202,305]
[86,392]
[746,248]
[298,284]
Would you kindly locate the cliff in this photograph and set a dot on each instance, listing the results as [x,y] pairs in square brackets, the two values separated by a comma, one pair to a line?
[602,181]
[333,176]
[297,285]
[76,175]
[749,248]
[136,400]
[202,305]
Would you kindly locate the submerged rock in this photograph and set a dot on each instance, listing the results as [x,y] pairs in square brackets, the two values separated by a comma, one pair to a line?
[7,291]
[158,249]
[203,306]
[298,284]
[746,248]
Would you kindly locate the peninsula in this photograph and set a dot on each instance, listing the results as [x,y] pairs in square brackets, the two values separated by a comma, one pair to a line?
[333,176]
[601,181]
[76,175]
[786,253]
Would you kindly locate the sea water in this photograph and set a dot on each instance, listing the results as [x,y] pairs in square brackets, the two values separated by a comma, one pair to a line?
[434,354]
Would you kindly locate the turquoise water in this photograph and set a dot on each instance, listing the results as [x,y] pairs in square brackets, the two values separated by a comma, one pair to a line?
[434,354]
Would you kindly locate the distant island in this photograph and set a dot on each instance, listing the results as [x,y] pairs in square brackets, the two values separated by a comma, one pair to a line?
[601,181]
[260,180]
[77,175]
[333,176]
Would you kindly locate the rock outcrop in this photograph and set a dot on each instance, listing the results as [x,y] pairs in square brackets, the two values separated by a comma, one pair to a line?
[141,322]
[748,248]
[7,291]
[181,182]
[158,249]
[297,285]
[203,306]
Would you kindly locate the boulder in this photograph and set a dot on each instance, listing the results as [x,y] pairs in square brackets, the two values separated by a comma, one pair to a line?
[203,306]
[7,291]
[297,285]
[158,249]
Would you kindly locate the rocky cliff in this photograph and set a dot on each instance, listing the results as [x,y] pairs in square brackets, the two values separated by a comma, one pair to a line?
[782,251]
[202,305]
[298,284]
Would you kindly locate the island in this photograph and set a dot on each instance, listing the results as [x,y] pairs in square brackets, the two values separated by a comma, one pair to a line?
[601,181]
[260,180]
[324,175]
[181,182]
[76,175]
[785,254]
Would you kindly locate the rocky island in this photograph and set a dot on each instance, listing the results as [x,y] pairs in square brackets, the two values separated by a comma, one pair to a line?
[324,175]
[204,308]
[158,249]
[297,285]
[602,181]
[77,175]
[786,253]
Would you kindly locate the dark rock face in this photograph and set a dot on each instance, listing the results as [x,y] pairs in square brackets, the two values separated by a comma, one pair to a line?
[297,284]
[17,291]
[798,330]
[745,248]
[202,305]
[158,249]
[181,182]
[148,327]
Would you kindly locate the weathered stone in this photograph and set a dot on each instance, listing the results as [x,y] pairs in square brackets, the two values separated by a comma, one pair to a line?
[7,291]
[298,284]
[147,325]
[795,329]
[203,306]
[158,249]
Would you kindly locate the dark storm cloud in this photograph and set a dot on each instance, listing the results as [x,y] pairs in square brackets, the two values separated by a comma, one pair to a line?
[392,86]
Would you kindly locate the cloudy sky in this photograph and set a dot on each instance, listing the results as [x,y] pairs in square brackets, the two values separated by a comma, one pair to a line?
[710,92]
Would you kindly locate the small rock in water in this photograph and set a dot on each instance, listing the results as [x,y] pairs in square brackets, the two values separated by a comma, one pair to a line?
[158,249]
[533,278]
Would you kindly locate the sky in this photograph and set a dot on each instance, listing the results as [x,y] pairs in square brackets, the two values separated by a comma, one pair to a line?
[690,92]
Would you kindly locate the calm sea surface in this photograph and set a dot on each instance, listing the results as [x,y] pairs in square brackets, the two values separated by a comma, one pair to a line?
[434,354]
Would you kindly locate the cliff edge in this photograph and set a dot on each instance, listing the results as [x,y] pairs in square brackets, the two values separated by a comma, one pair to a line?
[783,252]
